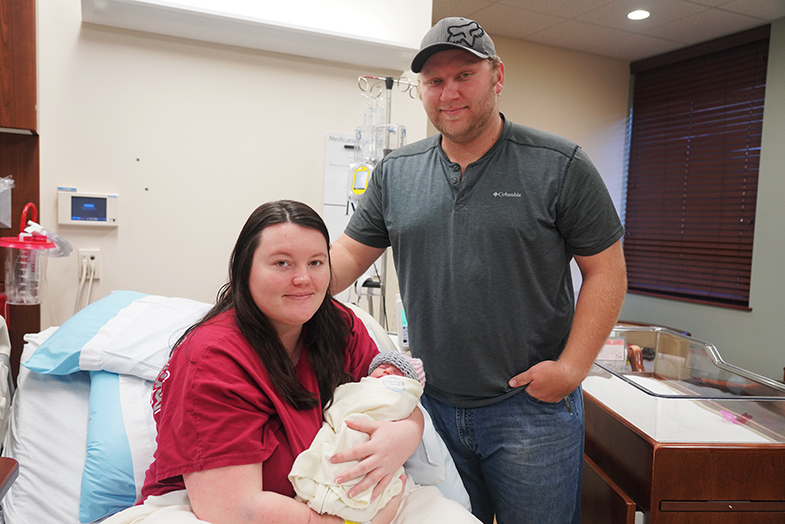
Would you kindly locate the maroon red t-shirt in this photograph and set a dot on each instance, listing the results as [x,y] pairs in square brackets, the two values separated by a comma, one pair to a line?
[214,406]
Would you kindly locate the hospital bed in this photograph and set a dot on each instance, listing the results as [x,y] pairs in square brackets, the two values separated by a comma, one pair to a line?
[79,432]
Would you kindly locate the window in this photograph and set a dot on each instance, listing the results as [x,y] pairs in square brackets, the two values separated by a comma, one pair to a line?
[694,152]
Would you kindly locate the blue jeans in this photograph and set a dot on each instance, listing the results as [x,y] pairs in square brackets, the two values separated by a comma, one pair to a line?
[520,459]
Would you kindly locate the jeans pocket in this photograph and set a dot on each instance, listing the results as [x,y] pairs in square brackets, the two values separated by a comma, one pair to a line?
[538,401]
[566,401]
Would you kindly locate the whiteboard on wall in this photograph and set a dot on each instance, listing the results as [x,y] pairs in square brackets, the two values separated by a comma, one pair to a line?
[339,154]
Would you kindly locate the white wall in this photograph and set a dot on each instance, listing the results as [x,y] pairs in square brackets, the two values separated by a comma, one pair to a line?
[192,136]
[750,339]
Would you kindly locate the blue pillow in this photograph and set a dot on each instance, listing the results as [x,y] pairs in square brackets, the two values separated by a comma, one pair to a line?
[120,444]
[59,354]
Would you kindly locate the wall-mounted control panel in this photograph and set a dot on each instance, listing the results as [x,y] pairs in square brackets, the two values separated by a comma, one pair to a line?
[87,209]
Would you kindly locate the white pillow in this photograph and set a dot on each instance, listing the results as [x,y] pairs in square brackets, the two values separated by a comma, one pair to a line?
[125,332]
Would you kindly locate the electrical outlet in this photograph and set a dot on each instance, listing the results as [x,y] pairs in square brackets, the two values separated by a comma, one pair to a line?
[87,256]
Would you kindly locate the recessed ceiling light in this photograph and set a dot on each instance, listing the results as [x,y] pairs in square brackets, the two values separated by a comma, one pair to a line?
[639,14]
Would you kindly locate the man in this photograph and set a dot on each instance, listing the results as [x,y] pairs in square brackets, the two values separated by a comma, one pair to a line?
[483,220]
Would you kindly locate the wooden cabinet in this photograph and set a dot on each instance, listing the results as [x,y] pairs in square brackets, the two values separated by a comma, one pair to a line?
[602,501]
[688,483]
[17,65]
[18,138]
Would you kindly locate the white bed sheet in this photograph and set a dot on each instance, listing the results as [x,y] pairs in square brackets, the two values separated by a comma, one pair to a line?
[50,408]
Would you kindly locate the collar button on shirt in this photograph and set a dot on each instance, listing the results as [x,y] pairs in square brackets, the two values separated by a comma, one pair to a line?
[456,168]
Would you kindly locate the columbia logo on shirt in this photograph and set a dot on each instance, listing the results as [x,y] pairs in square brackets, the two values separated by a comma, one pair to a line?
[505,194]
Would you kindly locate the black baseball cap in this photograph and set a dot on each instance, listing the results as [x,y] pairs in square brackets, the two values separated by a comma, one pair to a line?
[454,33]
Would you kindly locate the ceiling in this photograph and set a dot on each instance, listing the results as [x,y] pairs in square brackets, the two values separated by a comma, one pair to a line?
[601,26]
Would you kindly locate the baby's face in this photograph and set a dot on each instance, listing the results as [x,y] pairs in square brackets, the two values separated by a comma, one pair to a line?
[386,369]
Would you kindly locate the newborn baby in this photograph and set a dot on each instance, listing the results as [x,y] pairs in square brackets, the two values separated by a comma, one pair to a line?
[390,392]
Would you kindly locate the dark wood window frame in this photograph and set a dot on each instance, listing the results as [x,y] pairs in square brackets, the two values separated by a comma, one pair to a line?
[694,153]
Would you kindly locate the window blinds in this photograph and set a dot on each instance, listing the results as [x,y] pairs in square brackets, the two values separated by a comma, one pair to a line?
[693,172]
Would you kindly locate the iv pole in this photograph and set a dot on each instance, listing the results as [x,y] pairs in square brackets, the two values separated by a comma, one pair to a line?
[405,85]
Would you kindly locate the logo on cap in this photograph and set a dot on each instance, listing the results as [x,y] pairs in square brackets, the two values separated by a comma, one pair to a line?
[465,34]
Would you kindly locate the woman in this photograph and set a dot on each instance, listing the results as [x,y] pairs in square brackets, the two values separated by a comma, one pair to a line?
[244,389]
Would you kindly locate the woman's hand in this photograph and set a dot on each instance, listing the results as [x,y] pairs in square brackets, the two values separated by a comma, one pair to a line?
[388,512]
[390,444]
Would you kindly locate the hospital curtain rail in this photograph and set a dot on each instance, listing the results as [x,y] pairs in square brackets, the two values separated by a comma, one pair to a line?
[692,181]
